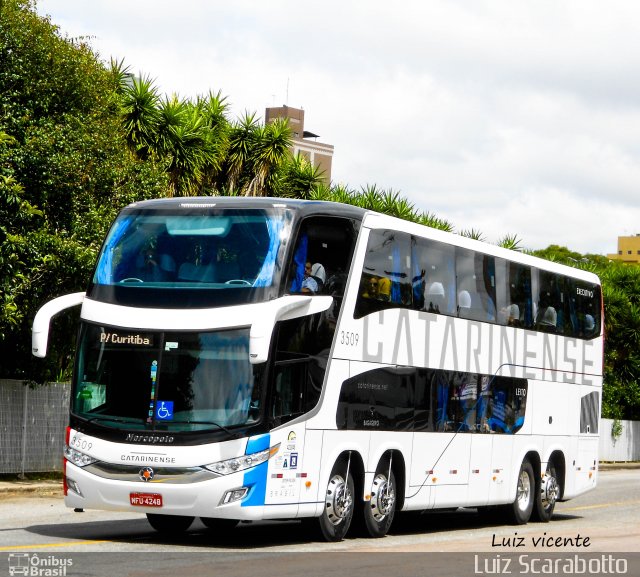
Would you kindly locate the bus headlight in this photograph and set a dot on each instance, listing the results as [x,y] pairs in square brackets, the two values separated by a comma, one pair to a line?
[77,458]
[236,464]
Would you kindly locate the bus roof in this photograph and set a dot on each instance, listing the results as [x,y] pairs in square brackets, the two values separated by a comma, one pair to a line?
[370,220]
[376,220]
[302,207]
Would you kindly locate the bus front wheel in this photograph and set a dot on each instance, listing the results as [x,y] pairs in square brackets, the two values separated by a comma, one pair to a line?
[520,510]
[169,523]
[338,505]
[380,509]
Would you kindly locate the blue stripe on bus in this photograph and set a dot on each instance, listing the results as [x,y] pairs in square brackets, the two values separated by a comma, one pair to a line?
[257,444]
[256,478]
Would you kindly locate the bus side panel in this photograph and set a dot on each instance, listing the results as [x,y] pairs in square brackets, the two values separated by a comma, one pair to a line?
[548,408]
[582,469]
[311,469]
[283,478]
[586,467]
[338,371]
[480,470]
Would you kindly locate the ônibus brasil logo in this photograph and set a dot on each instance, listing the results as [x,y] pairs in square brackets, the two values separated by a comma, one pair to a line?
[34,565]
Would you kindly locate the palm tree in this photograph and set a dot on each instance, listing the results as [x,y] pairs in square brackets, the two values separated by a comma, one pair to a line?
[472,233]
[140,115]
[430,219]
[187,145]
[272,146]
[369,197]
[299,178]
[343,194]
[213,109]
[510,241]
[121,75]
[241,140]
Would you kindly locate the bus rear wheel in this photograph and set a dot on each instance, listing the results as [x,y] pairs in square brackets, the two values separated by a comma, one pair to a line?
[338,505]
[520,510]
[547,494]
[380,509]
[169,523]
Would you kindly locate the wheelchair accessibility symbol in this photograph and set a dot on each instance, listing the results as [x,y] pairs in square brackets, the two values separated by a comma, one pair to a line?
[164,411]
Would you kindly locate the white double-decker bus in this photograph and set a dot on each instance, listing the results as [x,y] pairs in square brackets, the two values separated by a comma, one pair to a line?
[248,359]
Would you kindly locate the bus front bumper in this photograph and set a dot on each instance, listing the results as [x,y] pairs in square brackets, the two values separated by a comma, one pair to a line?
[234,496]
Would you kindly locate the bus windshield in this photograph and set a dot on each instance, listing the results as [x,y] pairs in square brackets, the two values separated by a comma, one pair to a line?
[174,381]
[175,258]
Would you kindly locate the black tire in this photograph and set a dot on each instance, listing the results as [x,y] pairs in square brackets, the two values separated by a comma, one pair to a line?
[520,510]
[379,511]
[547,494]
[169,523]
[338,505]
[219,526]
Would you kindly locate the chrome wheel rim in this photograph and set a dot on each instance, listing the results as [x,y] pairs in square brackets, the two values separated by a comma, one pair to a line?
[523,498]
[383,497]
[549,491]
[338,500]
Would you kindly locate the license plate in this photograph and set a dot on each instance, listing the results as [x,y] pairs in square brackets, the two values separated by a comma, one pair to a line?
[146,499]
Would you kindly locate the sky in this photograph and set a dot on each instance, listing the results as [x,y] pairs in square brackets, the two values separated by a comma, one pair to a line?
[503,116]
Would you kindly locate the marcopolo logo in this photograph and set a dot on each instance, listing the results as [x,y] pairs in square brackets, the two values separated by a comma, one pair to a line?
[34,565]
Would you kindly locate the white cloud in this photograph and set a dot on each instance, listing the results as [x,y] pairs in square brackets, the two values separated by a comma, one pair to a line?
[502,116]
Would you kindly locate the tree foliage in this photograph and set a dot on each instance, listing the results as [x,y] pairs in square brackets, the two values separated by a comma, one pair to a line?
[621,296]
[65,172]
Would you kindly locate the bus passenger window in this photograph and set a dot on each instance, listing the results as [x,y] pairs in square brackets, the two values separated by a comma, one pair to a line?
[322,253]
[550,316]
[476,284]
[519,312]
[386,280]
[434,276]
[583,310]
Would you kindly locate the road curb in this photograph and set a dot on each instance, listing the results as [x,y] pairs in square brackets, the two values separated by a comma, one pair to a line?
[31,488]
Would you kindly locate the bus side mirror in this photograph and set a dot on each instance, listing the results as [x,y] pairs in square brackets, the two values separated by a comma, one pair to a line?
[40,330]
[288,307]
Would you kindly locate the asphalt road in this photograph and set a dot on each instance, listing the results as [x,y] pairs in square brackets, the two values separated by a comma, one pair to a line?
[604,521]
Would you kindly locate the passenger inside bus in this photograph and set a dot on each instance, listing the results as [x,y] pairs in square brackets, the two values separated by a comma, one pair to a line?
[435,298]
[319,275]
[309,284]
[384,289]
[464,304]
[548,319]
[370,290]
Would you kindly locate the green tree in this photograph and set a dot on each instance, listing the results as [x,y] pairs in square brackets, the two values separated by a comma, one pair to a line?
[140,112]
[66,170]
[299,178]
[621,292]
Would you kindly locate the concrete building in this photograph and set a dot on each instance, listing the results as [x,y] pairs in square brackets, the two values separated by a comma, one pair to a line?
[305,143]
[628,249]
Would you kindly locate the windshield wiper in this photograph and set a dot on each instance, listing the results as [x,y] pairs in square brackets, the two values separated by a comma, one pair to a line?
[199,423]
[128,420]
